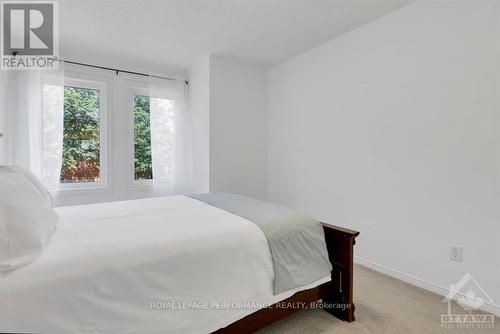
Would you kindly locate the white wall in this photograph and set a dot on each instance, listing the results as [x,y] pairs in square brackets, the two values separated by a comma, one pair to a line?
[199,125]
[238,127]
[392,129]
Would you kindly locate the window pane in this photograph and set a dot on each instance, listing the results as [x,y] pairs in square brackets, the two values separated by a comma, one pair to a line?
[142,138]
[81,156]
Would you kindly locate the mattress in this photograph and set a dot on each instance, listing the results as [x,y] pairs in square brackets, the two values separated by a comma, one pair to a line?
[158,265]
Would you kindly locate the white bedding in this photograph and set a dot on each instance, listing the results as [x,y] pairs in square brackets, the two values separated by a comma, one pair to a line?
[107,263]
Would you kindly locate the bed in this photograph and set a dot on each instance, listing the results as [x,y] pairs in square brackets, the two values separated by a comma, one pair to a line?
[163,265]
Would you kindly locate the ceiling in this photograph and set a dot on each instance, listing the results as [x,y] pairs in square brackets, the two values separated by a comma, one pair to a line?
[177,32]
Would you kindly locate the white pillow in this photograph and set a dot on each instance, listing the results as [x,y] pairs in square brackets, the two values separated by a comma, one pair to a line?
[27,219]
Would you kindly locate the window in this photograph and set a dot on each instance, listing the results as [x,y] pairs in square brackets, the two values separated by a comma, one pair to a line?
[147,135]
[143,167]
[154,138]
[81,135]
[73,140]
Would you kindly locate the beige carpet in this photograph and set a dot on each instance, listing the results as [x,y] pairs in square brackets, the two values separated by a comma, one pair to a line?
[383,305]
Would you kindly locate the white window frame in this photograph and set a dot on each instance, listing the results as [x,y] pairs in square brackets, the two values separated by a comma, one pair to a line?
[82,80]
[133,87]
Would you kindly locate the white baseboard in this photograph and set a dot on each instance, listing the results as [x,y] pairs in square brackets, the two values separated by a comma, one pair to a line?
[416,281]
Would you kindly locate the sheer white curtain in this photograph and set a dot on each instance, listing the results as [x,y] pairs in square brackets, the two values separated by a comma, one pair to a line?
[169,135]
[34,113]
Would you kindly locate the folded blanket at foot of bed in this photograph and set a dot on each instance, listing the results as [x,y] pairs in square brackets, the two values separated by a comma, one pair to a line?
[296,241]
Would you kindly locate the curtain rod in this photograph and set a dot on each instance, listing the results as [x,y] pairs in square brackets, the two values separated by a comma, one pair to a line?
[117,70]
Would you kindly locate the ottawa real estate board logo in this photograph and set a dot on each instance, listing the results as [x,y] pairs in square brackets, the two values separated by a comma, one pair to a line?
[30,35]
[469,297]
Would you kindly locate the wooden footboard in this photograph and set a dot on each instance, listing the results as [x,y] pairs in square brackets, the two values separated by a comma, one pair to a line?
[338,299]
[336,295]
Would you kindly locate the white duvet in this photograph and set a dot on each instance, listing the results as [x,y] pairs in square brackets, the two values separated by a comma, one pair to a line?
[159,265]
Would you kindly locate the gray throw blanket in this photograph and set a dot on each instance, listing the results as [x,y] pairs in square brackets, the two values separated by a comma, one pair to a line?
[296,241]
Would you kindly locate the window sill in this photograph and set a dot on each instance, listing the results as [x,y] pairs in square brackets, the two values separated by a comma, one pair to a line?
[147,186]
[80,189]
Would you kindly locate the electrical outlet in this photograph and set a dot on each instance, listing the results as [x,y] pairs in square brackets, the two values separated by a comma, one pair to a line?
[456,253]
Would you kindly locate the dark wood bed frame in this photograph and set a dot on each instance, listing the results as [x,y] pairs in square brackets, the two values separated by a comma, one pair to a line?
[336,295]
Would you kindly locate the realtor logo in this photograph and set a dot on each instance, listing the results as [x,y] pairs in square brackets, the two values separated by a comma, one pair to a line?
[29,35]
[470,296]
